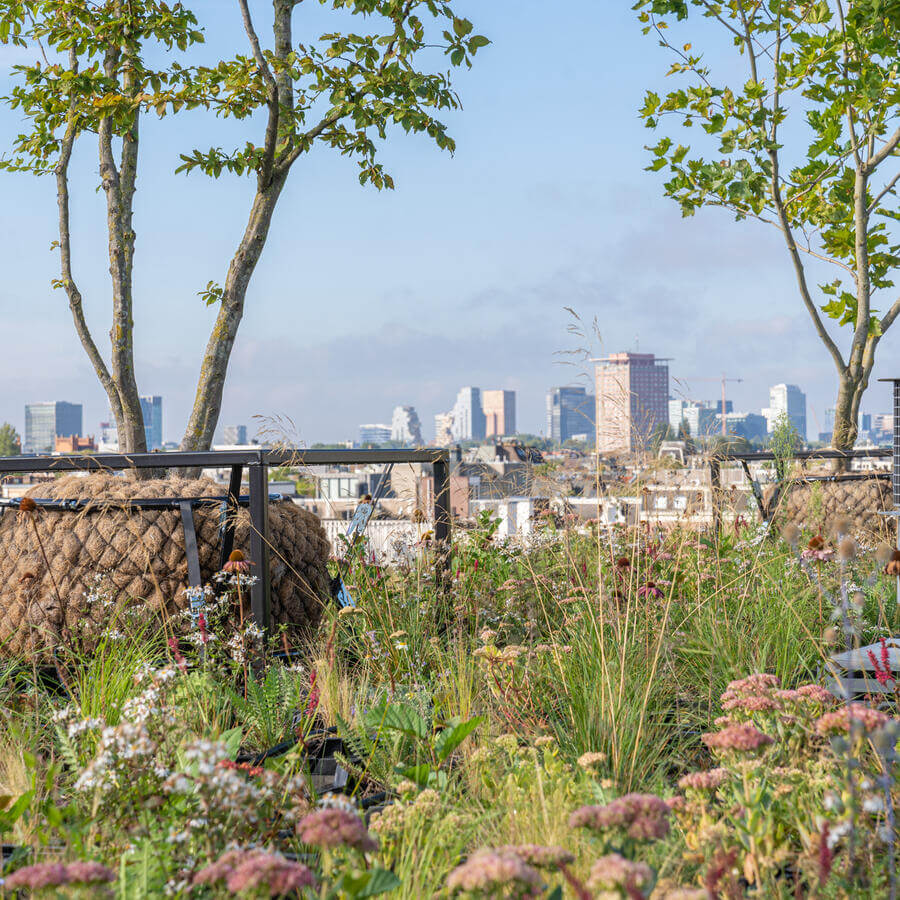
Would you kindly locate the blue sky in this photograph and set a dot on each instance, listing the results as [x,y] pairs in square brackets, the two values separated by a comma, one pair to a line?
[365,300]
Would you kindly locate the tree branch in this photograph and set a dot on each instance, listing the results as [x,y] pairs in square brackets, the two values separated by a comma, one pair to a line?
[65,254]
[888,189]
[264,69]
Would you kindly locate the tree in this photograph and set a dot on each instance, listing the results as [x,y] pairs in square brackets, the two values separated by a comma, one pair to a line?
[97,83]
[807,142]
[10,442]
[344,90]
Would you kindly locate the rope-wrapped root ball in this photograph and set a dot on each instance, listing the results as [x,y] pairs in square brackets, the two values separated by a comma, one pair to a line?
[51,560]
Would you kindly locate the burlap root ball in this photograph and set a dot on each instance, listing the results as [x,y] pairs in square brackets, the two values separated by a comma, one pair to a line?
[814,504]
[137,557]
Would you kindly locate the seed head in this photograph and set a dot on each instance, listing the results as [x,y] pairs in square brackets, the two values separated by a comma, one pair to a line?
[840,526]
[893,566]
[846,548]
[883,553]
[791,534]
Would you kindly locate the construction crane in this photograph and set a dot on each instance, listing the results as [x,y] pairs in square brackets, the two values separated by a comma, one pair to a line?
[724,379]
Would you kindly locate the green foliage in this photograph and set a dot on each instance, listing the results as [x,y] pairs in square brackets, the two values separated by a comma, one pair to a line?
[10,442]
[805,139]
[784,443]
[99,69]
[347,89]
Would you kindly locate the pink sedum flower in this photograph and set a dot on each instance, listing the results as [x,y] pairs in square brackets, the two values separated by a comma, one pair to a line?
[38,876]
[493,871]
[643,817]
[539,856]
[704,781]
[739,737]
[252,870]
[327,828]
[839,720]
[89,873]
[615,873]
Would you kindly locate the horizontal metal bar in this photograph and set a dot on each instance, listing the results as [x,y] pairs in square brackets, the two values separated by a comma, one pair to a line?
[763,455]
[216,459]
[136,503]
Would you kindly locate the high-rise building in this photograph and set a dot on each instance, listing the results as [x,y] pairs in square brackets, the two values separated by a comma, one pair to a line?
[698,417]
[443,429]
[632,400]
[405,426]
[570,412]
[788,399]
[743,424]
[45,422]
[499,413]
[468,416]
[151,408]
[235,435]
[374,434]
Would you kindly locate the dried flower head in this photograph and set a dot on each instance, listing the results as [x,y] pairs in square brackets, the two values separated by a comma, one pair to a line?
[791,534]
[615,873]
[846,549]
[334,827]
[893,565]
[490,872]
[883,553]
[741,737]
[840,526]
[623,562]
[591,760]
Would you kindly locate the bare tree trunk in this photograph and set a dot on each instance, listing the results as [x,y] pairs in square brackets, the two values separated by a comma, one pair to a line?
[119,184]
[208,400]
[270,183]
[67,278]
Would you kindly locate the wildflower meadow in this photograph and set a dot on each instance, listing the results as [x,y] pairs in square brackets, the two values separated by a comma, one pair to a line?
[588,712]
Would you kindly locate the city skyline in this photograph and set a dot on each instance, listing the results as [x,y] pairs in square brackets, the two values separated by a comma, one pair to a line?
[523,256]
[569,409]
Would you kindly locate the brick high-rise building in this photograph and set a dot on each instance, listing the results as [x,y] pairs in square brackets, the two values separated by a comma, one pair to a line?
[499,409]
[632,400]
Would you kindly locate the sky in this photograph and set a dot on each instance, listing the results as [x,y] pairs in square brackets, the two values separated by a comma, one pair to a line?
[466,274]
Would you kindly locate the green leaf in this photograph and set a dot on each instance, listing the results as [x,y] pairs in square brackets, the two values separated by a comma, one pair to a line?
[367,884]
[232,741]
[419,775]
[400,717]
[452,736]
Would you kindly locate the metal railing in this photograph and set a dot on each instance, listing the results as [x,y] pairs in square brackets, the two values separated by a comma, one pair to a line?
[716,460]
[257,463]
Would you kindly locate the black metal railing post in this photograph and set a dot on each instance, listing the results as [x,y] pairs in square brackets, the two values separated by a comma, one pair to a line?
[441,473]
[229,514]
[715,494]
[260,593]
